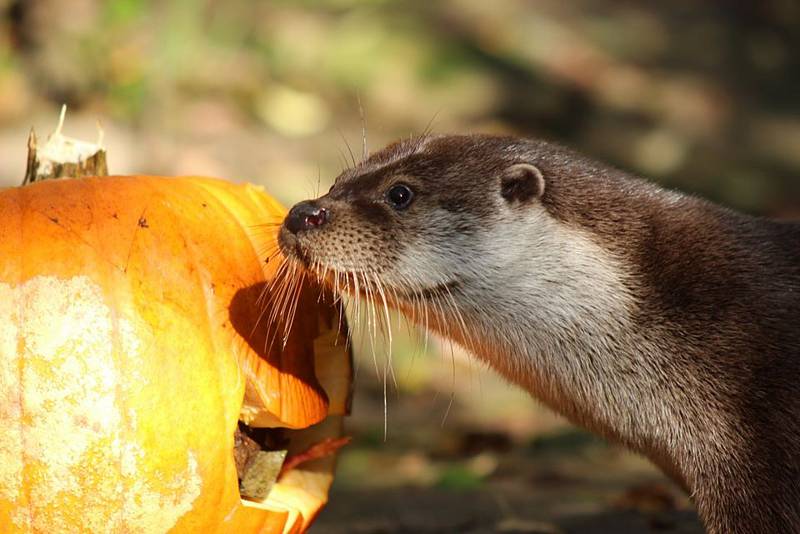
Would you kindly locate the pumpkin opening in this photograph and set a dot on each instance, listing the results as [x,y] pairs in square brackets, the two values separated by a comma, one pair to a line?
[285,450]
[299,357]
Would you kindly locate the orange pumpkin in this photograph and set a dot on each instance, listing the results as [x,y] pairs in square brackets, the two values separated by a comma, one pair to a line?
[132,341]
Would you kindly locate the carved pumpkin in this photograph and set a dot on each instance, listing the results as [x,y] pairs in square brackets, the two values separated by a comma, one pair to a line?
[132,342]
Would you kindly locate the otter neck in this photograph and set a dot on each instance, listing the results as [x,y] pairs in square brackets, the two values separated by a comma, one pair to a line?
[559,321]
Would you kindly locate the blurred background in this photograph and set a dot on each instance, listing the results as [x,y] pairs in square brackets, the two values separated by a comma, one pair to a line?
[700,96]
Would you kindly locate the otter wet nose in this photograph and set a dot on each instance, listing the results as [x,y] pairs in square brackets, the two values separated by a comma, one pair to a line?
[305,216]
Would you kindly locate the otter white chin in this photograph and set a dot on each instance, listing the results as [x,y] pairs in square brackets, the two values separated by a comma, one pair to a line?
[658,320]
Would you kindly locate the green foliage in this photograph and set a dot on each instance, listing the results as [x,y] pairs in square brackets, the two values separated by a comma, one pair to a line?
[459,478]
[123,12]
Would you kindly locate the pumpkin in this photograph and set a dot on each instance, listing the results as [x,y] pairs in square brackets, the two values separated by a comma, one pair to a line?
[134,342]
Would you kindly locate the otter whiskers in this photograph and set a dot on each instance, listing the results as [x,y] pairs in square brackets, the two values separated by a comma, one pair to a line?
[370,305]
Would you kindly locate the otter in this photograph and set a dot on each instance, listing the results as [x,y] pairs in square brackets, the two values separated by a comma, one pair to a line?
[656,319]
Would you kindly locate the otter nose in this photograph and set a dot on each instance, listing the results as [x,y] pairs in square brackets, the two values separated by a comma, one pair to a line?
[305,216]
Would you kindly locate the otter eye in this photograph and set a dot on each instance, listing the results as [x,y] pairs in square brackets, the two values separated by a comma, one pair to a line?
[399,196]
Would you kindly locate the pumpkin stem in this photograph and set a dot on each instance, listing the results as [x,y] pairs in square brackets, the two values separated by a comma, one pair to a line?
[63,156]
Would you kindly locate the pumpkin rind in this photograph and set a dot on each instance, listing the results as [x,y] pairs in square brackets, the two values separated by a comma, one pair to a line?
[124,365]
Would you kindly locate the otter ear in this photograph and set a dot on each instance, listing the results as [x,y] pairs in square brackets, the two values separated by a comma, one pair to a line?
[521,182]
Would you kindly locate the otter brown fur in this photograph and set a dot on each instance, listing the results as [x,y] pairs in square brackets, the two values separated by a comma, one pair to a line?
[656,319]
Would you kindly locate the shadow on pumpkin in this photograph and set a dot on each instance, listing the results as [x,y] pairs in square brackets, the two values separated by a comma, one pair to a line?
[284,373]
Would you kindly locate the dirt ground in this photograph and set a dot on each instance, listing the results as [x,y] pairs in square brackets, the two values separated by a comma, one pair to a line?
[405,511]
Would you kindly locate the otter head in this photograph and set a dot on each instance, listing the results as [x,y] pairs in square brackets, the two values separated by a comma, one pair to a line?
[417,219]
[498,244]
